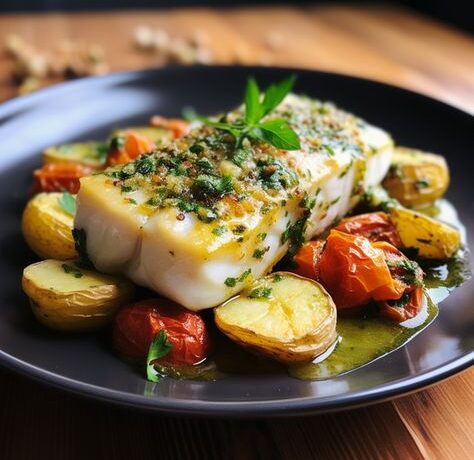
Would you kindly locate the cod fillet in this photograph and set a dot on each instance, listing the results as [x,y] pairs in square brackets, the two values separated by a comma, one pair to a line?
[198,219]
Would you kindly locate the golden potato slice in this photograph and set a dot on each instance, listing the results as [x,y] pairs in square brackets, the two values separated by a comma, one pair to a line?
[90,153]
[157,135]
[433,239]
[416,178]
[66,297]
[47,228]
[285,316]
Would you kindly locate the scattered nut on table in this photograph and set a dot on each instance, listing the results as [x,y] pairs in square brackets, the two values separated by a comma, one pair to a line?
[34,68]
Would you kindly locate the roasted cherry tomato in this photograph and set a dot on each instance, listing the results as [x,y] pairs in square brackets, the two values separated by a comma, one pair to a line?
[58,177]
[408,275]
[307,259]
[177,125]
[355,272]
[376,226]
[137,324]
[133,146]
[408,306]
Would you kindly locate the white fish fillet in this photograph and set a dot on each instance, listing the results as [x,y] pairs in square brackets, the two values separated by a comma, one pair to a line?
[200,264]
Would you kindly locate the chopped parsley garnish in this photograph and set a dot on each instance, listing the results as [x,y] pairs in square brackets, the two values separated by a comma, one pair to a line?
[220,230]
[80,243]
[276,132]
[265,209]
[67,203]
[240,156]
[307,202]
[207,185]
[259,253]
[277,278]
[295,235]
[329,149]
[187,206]
[231,282]
[145,164]
[160,346]
[273,174]
[261,236]
[421,184]
[239,229]
[204,163]
[70,270]
[261,293]
[127,188]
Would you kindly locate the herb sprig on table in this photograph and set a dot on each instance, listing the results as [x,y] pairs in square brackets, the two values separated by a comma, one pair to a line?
[276,131]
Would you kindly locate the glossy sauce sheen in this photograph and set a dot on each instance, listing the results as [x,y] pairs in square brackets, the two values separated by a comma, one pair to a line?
[361,339]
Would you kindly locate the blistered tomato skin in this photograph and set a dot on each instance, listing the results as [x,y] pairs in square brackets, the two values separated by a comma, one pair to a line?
[376,226]
[355,272]
[307,259]
[137,324]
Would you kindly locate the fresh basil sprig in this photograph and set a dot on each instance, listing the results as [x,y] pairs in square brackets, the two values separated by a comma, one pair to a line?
[67,203]
[276,132]
[159,347]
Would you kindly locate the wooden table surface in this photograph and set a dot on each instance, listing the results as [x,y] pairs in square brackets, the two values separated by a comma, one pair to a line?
[388,44]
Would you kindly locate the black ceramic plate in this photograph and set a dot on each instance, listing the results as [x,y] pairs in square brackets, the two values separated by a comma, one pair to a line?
[89,108]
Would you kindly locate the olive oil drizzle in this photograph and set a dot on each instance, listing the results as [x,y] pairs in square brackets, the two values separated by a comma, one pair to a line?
[361,339]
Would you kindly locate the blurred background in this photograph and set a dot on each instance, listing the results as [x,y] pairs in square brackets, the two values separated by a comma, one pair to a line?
[423,45]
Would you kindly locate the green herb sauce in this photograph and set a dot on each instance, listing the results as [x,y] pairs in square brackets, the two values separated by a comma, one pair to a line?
[361,339]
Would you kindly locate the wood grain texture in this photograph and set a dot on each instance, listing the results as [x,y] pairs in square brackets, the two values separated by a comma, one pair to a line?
[384,43]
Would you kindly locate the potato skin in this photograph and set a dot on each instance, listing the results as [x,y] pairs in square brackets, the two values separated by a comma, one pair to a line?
[47,228]
[433,239]
[90,306]
[416,178]
[298,348]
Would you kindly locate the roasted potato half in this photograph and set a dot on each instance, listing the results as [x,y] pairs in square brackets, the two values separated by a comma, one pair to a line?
[433,239]
[90,153]
[68,298]
[47,228]
[416,178]
[285,316]
[155,134]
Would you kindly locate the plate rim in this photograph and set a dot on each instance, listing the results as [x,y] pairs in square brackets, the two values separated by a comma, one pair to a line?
[283,407]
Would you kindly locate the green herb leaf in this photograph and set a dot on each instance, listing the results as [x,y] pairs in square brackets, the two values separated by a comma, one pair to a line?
[205,184]
[329,149]
[253,109]
[80,243]
[70,270]
[259,253]
[67,203]
[220,230]
[274,132]
[160,346]
[276,93]
[261,293]
[277,133]
[231,282]
[190,115]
